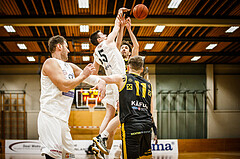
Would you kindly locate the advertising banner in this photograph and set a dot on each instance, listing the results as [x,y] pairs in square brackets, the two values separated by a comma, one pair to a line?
[81,146]
[165,147]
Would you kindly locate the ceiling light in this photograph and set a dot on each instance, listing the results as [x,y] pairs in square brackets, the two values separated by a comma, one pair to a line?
[148,46]
[232,29]
[195,58]
[86,58]
[22,46]
[159,28]
[9,28]
[84,28]
[174,3]
[83,3]
[211,46]
[31,58]
[85,46]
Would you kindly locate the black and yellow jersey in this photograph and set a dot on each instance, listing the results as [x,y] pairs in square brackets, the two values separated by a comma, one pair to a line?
[126,64]
[135,100]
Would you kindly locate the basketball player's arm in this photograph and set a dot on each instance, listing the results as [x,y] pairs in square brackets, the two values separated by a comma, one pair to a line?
[92,80]
[52,69]
[120,33]
[135,48]
[113,34]
[117,79]
[96,65]
[111,37]
[120,37]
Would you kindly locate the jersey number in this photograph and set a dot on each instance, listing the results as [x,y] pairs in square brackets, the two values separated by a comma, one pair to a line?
[144,86]
[103,56]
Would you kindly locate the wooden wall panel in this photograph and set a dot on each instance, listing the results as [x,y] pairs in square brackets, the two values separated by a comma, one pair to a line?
[9,7]
[186,7]
[32,46]
[169,31]
[23,31]
[12,46]
[3,32]
[22,59]
[208,145]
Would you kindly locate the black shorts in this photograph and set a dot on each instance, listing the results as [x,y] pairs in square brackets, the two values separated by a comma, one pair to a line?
[136,144]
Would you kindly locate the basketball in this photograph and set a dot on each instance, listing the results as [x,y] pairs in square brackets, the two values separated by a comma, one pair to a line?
[140,11]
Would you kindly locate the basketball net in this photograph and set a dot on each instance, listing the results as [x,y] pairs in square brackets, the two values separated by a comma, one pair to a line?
[91,106]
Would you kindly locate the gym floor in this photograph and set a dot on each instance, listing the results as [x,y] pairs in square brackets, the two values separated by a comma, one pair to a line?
[205,155]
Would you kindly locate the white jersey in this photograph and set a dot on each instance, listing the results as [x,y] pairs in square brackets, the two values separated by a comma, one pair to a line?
[110,58]
[53,101]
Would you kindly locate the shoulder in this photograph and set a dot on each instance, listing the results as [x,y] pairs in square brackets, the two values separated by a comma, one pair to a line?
[129,75]
[146,81]
[49,62]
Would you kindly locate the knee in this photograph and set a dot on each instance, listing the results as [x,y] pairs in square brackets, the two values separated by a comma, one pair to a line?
[109,115]
[110,112]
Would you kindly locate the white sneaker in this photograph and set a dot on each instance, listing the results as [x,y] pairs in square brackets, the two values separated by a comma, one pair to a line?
[101,144]
[97,153]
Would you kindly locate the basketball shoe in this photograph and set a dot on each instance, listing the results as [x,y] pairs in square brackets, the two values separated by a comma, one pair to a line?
[101,144]
[97,153]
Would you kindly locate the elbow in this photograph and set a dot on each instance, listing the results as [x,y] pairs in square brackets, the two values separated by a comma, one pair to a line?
[64,89]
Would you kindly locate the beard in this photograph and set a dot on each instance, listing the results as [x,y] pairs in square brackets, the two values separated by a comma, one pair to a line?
[64,56]
[124,55]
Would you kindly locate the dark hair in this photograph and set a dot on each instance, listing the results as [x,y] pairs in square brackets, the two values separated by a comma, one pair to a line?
[53,41]
[94,37]
[128,44]
[136,62]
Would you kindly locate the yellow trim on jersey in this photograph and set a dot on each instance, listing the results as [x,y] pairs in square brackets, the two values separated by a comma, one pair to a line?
[146,157]
[124,84]
[134,73]
[151,90]
[124,142]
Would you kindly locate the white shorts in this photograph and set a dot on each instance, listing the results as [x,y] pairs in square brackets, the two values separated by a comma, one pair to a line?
[55,138]
[112,95]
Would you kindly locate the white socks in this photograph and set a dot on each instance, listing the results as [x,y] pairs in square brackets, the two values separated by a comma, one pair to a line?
[104,134]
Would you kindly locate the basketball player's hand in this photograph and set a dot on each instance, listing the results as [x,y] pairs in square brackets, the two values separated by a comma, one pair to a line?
[122,20]
[101,86]
[121,10]
[120,15]
[118,20]
[128,23]
[87,71]
[155,139]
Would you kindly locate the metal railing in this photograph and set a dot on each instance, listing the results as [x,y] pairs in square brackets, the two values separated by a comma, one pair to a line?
[169,107]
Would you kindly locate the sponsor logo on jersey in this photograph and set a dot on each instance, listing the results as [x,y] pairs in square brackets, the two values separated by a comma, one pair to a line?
[64,72]
[108,66]
[129,87]
[141,106]
[70,76]
[130,80]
